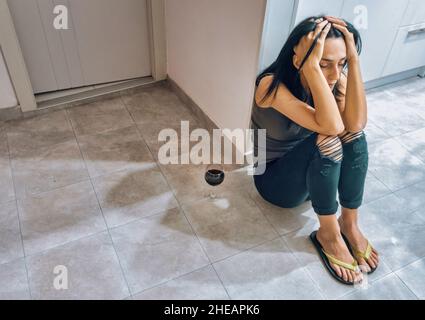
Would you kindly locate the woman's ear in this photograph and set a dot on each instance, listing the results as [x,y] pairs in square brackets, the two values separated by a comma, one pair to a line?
[295,61]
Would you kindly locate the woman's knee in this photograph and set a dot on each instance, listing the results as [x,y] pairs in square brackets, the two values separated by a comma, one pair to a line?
[330,147]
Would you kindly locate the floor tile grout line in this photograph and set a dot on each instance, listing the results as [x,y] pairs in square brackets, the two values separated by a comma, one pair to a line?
[203,249]
[373,175]
[19,218]
[277,232]
[410,263]
[123,275]
[305,269]
[87,159]
[256,205]
[37,194]
[23,249]
[12,261]
[94,233]
[407,286]
[57,246]
[103,231]
[227,257]
[403,187]
[69,139]
[146,141]
[172,279]
[181,208]
[261,211]
[71,121]
[161,212]
[407,150]
[373,284]
[395,136]
[409,185]
[138,131]
[176,199]
[399,268]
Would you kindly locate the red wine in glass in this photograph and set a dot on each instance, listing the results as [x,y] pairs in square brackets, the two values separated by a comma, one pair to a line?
[214,176]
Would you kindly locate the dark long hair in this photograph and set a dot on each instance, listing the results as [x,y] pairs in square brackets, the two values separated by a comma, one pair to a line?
[283,68]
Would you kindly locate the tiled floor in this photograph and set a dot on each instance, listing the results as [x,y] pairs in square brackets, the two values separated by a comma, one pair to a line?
[81,188]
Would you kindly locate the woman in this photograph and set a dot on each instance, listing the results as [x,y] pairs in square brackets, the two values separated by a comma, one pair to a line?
[314,114]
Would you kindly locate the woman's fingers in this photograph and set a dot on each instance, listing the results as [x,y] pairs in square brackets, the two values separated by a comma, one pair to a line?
[343,29]
[319,28]
[336,20]
[325,31]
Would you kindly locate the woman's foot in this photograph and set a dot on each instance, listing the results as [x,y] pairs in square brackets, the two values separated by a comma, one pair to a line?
[333,243]
[352,232]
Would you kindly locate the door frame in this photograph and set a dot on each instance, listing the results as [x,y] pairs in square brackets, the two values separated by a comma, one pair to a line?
[18,72]
[15,61]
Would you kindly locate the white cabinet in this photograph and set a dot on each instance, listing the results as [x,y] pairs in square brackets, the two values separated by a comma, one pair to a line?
[7,93]
[307,8]
[277,25]
[384,18]
[415,13]
[107,41]
[408,51]
[282,16]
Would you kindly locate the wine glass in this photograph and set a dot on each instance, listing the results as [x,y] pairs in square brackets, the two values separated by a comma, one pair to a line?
[214,176]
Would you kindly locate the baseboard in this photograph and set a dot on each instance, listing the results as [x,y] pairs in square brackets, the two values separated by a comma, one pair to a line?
[83,97]
[187,100]
[388,80]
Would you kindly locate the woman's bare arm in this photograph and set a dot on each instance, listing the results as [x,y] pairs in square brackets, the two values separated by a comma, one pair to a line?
[355,110]
[327,113]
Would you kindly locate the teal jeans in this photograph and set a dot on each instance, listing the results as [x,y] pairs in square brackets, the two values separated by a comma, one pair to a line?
[306,174]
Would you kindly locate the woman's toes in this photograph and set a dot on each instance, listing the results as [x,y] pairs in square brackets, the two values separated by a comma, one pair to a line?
[359,277]
[351,276]
[364,266]
[342,273]
[345,275]
[337,270]
[376,257]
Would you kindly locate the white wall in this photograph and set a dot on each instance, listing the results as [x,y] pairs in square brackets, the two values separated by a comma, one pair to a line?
[276,30]
[213,53]
[7,94]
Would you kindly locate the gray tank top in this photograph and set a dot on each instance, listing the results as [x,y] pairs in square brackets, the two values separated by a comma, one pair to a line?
[282,133]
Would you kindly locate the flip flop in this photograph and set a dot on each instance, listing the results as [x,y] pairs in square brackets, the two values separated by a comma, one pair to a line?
[327,259]
[358,254]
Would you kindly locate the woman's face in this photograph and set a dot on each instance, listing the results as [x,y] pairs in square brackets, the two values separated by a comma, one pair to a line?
[332,62]
[333,59]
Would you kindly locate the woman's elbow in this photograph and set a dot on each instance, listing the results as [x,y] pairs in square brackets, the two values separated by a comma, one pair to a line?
[336,130]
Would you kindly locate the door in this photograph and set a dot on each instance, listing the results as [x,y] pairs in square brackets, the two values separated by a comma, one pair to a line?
[106,41]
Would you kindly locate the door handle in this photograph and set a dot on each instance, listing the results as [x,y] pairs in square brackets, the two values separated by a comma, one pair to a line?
[417,31]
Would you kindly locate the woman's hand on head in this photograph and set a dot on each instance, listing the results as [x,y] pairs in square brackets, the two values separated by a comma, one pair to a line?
[348,37]
[302,48]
